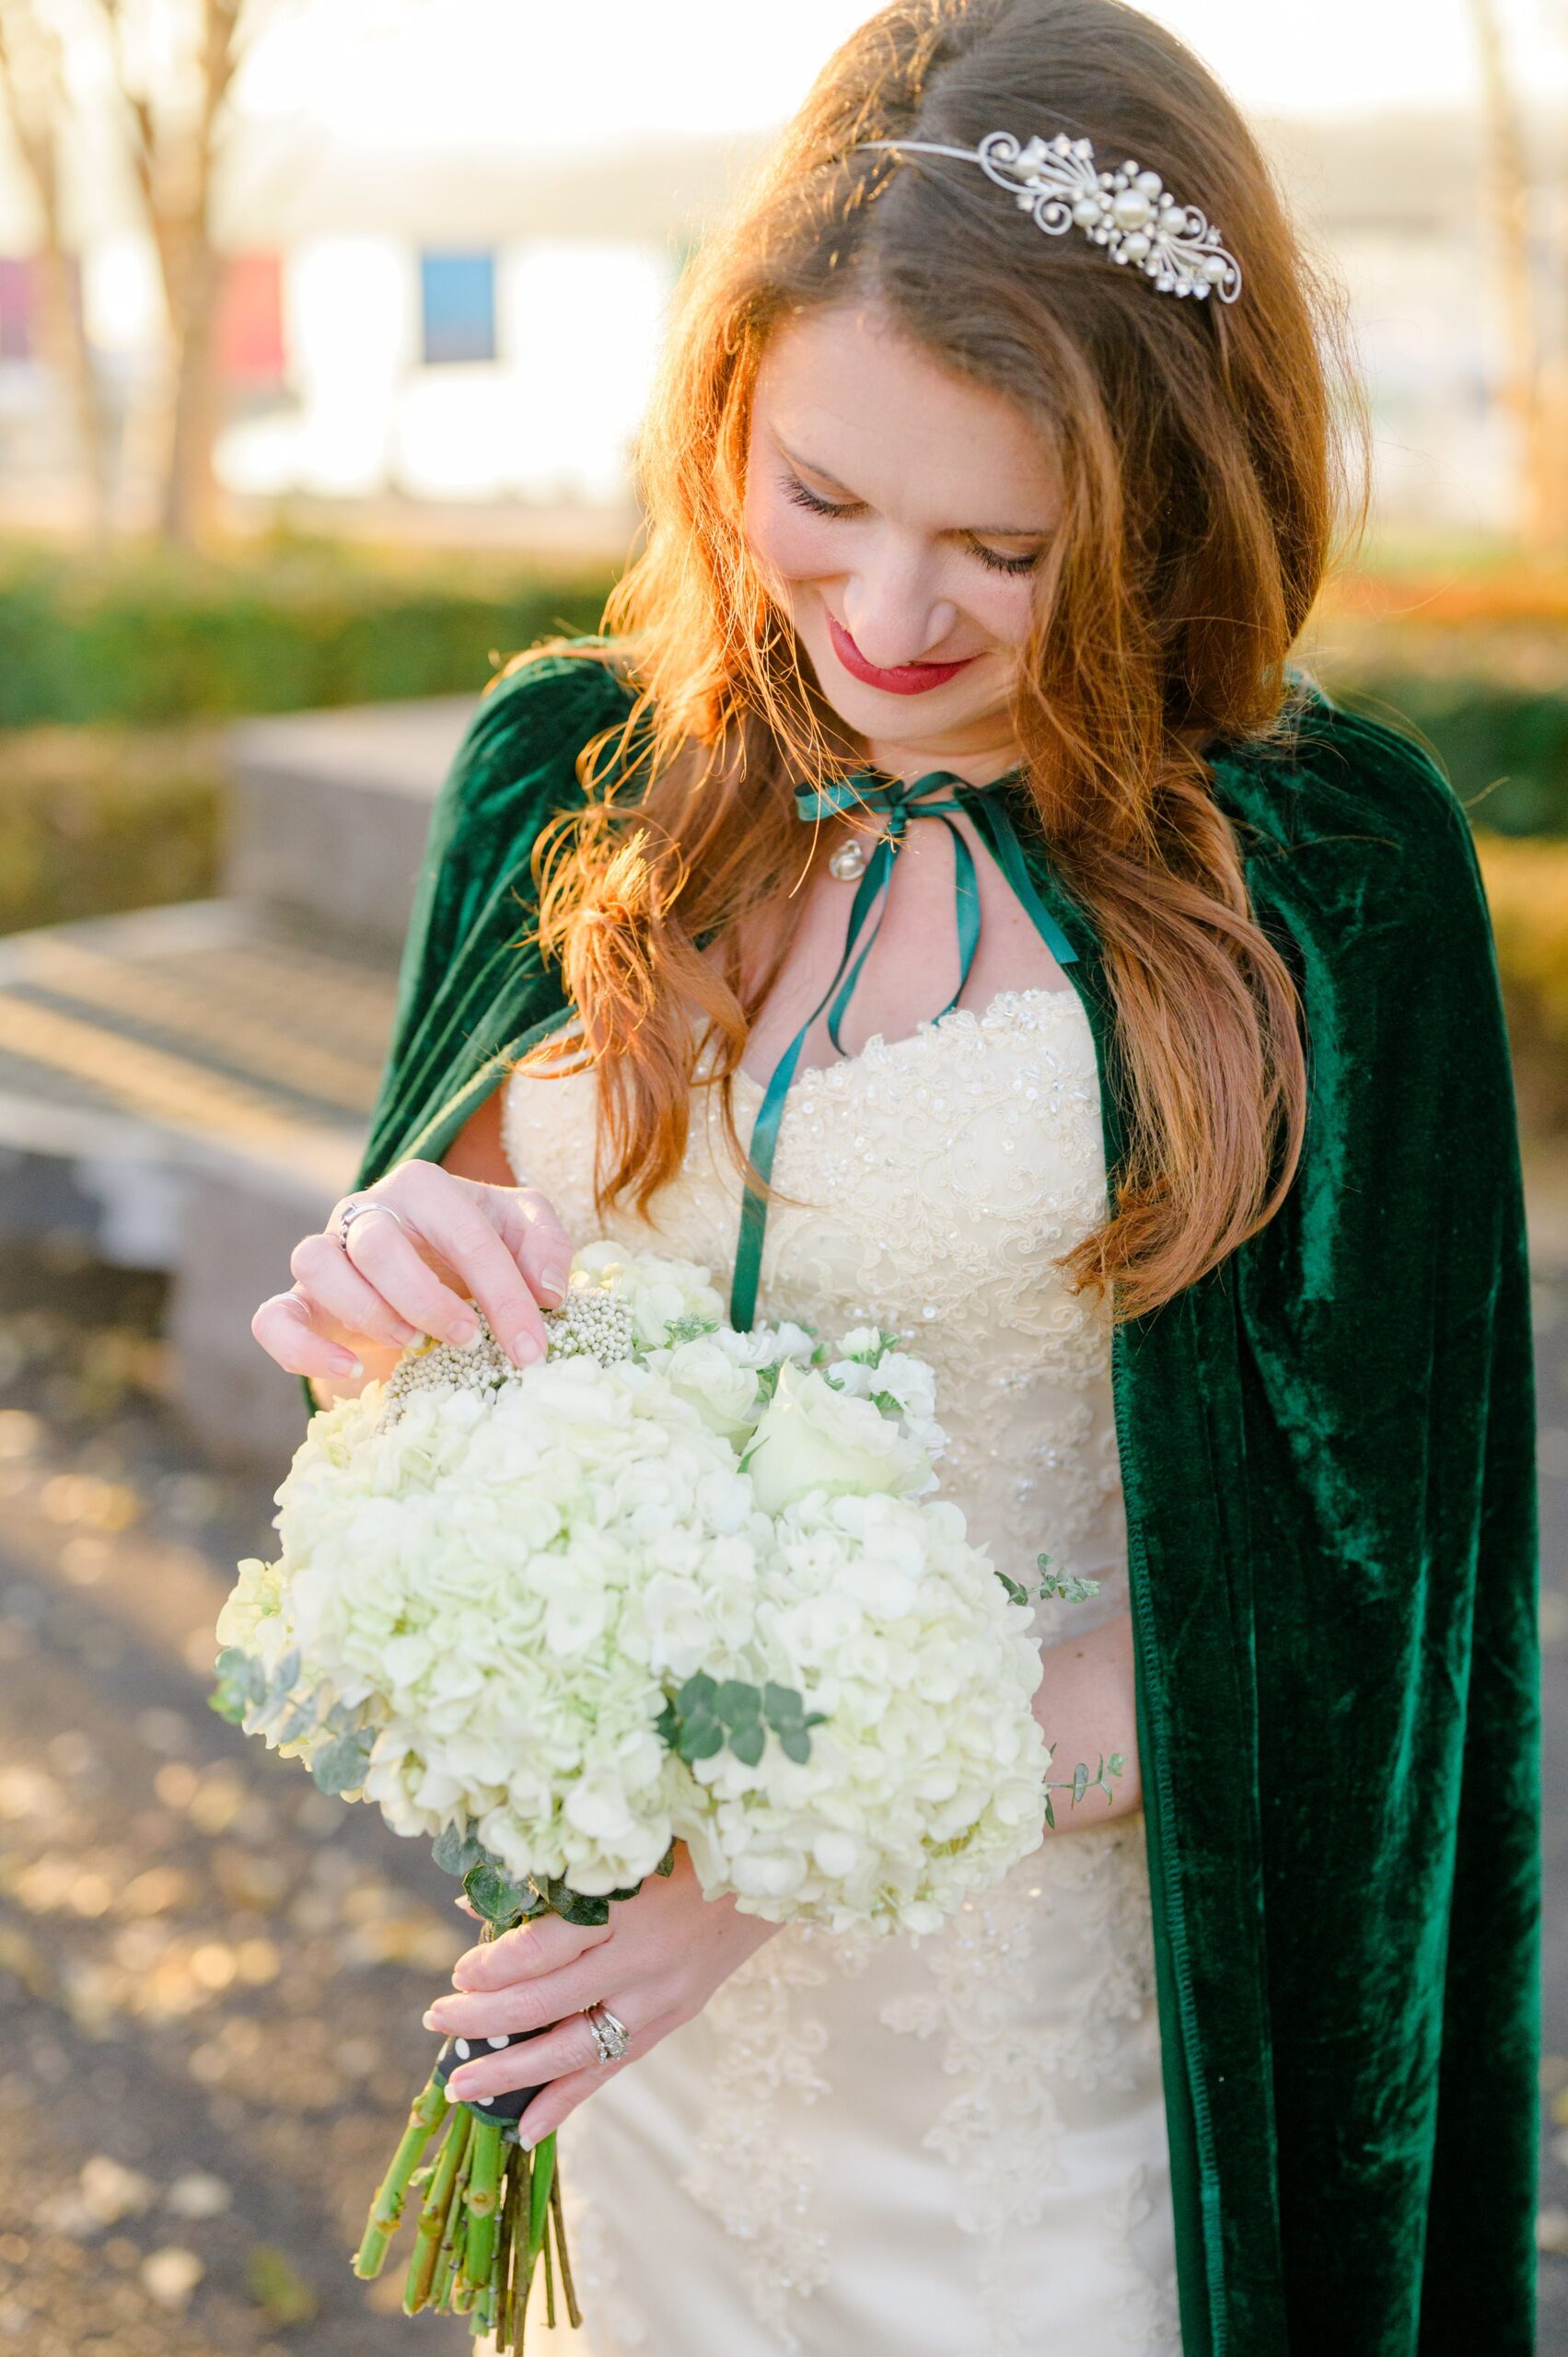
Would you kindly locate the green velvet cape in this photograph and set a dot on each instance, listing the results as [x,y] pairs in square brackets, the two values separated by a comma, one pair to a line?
[1327,1457]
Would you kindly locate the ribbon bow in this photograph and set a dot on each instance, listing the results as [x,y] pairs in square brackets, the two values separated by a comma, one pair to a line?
[938,795]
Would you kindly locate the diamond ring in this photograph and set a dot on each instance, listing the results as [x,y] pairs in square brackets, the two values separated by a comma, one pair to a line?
[352,1211]
[611,2035]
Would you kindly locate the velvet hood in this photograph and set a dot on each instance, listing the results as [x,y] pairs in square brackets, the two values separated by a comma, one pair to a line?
[1326,1450]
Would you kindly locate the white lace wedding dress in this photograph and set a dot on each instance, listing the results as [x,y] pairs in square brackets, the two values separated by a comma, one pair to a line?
[953,2147]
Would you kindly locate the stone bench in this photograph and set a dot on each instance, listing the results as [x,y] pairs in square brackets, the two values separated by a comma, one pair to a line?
[190,1086]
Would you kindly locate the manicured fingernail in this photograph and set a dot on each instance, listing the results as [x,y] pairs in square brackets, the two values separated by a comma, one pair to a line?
[526,1349]
[430,2021]
[462,1331]
[346,1365]
[554,1280]
[454,2093]
[525,2144]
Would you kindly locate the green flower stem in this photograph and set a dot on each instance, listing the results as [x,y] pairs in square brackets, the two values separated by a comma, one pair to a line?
[448,2255]
[501,2270]
[573,2310]
[522,2266]
[428,2111]
[538,2201]
[484,2176]
[456,2292]
[549,2278]
[454,2242]
[433,2218]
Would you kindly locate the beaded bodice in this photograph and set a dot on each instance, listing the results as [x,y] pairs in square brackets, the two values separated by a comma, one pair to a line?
[931,1181]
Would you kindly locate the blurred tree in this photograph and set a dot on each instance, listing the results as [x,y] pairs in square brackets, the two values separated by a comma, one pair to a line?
[174,112]
[1533,380]
[33,95]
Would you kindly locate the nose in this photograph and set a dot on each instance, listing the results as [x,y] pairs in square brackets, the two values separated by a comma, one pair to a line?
[893,614]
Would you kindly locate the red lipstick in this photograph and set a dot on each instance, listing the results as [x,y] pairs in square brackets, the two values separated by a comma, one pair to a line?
[902,679]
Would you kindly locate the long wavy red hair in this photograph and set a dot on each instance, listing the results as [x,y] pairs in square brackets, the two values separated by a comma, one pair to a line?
[1203,482]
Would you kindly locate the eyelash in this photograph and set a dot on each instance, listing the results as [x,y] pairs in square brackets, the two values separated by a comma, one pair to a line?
[794,489]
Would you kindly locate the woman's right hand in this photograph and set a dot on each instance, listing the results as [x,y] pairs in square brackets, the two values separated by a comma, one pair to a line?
[357,1306]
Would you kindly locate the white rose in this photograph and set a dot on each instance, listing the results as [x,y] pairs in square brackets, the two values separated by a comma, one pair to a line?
[723,1393]
[812,1437]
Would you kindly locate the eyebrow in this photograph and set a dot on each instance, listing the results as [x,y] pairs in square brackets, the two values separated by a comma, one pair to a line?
[977,531]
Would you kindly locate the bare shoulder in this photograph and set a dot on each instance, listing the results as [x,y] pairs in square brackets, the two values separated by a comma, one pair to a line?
[479,1151]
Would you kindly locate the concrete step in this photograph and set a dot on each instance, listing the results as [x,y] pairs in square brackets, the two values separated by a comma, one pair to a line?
[201,1074]
[331,809]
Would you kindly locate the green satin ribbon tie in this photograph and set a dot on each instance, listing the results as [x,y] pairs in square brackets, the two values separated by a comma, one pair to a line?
[938,795]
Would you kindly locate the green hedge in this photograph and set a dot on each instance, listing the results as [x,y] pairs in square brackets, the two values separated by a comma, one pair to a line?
[94,820]
[146,638]
[1504,745]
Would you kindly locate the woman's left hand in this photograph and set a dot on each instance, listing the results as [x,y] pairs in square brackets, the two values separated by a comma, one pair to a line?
[654,1965]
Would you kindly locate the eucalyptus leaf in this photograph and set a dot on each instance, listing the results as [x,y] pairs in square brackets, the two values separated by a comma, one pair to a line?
[340,1767]
[749,1742]
[456,1851]
[574,1906]
[700,1738]
[737,1703]
[495,1895]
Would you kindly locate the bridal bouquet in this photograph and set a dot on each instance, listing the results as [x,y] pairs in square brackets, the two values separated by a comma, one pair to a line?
[673,1581]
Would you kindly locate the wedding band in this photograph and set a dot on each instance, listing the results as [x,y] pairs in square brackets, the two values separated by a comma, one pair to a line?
[610,2035]
[351,1211]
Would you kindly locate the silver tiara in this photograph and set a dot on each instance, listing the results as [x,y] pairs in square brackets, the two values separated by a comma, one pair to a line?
[1129,211]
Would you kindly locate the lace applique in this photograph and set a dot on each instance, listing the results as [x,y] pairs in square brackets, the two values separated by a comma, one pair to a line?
[754,2177]
[1147,2308]
[618,2327]
[1001,2128]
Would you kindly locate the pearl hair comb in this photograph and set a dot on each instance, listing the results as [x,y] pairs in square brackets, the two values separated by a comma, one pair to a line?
[1129,211]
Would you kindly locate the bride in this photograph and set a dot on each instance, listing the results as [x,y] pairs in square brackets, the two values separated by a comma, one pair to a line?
[988,488]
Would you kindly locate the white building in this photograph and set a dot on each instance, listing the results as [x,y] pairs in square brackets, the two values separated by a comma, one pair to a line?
[466,325]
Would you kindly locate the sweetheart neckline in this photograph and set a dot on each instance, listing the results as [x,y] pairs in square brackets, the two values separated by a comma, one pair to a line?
[979,1018]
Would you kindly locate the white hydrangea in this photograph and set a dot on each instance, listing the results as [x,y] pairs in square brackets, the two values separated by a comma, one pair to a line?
[925,1782]
[487,1602]
[512,1584]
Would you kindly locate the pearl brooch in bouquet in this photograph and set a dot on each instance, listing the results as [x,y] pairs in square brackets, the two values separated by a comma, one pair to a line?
[673,1581]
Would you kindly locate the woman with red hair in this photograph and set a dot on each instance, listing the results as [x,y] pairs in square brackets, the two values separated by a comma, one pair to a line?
[937,901]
